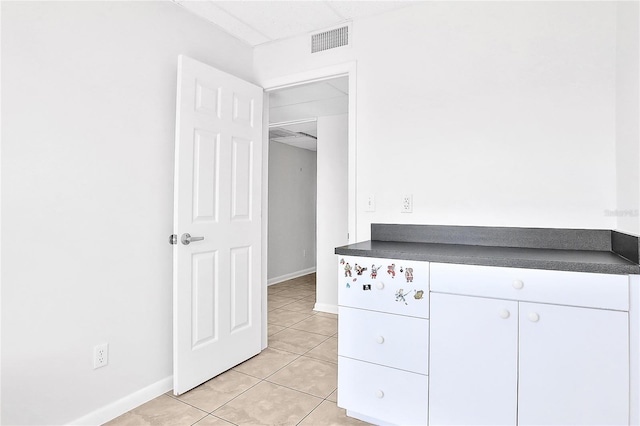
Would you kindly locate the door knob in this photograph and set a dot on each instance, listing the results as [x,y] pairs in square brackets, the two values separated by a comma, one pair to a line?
[186,239]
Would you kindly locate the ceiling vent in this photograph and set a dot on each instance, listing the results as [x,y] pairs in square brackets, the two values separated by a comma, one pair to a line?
[330,39]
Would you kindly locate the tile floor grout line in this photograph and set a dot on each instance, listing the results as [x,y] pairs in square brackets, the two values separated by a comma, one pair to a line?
[309,413]
[298,390]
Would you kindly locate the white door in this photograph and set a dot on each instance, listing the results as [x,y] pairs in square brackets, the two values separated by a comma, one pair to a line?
[473,371]
[574,366]
[216,280]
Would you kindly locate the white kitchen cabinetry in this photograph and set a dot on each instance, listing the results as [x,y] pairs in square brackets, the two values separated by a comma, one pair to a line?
[506,362]
[574,366]
[474,361]
[383,339]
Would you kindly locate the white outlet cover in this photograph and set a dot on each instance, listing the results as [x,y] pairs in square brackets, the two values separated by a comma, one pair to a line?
[407,204]
[100,355]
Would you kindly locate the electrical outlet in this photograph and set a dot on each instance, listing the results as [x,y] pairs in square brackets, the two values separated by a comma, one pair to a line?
[407,204]
[370,203]
[100,355]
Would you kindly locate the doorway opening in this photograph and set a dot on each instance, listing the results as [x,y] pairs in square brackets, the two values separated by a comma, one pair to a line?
[307,182]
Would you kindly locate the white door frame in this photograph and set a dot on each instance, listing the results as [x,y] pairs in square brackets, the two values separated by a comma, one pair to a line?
[310,76]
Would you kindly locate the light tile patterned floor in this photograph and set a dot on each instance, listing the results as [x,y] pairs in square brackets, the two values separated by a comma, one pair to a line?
[292,382]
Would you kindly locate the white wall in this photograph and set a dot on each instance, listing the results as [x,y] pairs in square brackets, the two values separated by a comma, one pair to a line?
[628,118]
[88,112]
[489,113]
[292,212]
[332,205]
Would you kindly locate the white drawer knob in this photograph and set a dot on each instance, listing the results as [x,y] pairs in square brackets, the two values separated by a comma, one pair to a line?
[534,317]
[379,285]
[518,284]
[379,394]
[504,313]
[380,339]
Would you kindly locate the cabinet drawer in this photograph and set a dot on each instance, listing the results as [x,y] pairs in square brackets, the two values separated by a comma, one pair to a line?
[385,285]
[386,339]
[592,290]
[383,393]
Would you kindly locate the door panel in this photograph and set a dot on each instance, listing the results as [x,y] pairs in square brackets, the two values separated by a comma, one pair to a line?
[574,366]
[217,288]
[473,361]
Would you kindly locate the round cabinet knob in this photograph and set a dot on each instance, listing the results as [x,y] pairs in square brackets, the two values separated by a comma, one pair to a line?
[517,284]
[379,394]
[504,313]
[534,317]
[379,285]
[380,339]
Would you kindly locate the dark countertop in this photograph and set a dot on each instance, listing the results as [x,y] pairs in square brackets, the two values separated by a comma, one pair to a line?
[576,258]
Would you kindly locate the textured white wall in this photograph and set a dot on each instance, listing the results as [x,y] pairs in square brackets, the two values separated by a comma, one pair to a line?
[627,208]
[489,113]
[292,211]
[88,113]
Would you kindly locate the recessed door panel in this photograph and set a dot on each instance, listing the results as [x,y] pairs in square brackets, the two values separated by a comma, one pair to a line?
[205,175]
[240,287]
[243,110]
[241,179]
[207,99]
[204,292]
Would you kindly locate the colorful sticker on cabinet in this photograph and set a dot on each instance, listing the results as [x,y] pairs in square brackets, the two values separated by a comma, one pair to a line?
[408,274]
[374,271]
[391,270]
[342,261]
[366,286]
[419,294]
[359,269]
[348,285]
[400,296]
[347,270]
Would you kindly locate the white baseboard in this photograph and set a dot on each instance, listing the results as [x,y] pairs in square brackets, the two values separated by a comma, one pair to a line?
[292,275]
[128,403]
[326,307]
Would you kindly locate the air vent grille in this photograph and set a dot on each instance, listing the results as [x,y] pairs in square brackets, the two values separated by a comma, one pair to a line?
[330,39]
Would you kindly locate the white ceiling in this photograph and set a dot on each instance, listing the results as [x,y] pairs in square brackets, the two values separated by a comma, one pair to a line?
[257,22]
[302,105]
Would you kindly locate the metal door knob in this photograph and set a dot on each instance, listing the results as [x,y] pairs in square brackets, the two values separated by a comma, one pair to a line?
[186,239]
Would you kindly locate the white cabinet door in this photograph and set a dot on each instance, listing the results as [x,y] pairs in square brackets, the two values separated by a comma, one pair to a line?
[574,366]
[473,361]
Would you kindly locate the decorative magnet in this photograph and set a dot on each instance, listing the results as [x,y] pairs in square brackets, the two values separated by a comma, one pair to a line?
[360,269]
[374,271]
[400,296]
[366,286]
[342,261]
[408,274]
[401,270]
[391,270]
[418,294]
[347,270]
[348,285]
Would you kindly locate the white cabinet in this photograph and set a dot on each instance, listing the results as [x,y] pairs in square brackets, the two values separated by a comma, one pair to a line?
[474,361]
[574,366]
[383,339]
[506,362]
